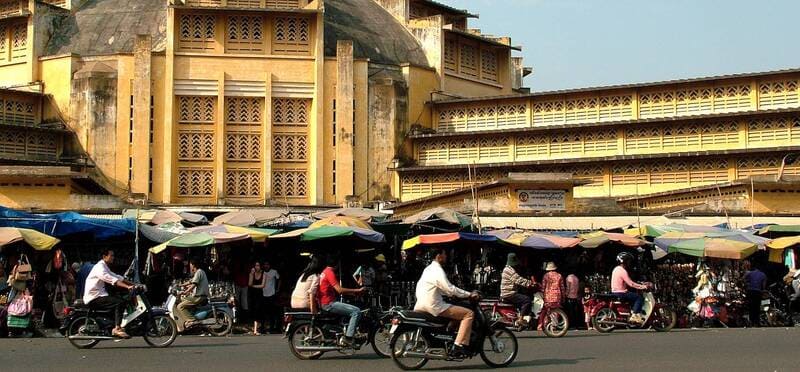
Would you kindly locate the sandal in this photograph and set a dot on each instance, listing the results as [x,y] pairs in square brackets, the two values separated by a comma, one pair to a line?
[120,334]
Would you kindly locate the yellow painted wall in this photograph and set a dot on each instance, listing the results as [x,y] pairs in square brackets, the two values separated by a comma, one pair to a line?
[55,196]
[56,74]
[421,83]
[329,151]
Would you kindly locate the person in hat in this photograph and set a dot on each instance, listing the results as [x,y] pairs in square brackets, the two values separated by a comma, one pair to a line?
[510,284]
[553,288]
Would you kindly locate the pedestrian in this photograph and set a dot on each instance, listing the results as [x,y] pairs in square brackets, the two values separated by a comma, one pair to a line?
[572,304]
[270,293]
[756,283]
[588,303]
[553,288]
[255,296]
[241,283]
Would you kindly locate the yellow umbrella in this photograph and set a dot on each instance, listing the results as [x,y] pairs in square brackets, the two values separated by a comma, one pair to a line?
[341,221]
[37,240]
[779,245]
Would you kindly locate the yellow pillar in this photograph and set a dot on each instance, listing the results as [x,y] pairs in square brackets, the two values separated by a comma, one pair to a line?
[140,148]
[169,160]
[219,142]
[344,120]
[266,142]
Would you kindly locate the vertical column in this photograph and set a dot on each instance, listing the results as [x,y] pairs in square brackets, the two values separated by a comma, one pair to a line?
[266,142]
[140,149]
[316,134]
[219,142]
[169,161]
[344,119]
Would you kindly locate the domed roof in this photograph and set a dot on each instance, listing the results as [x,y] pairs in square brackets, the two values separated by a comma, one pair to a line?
[100,27]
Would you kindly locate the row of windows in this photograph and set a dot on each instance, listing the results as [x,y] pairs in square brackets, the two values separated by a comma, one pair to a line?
[252,34]
[646,139]
[774,94]
[468,58]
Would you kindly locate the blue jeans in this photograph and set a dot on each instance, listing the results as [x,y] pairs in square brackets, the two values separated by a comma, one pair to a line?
[341,308]
[632,297]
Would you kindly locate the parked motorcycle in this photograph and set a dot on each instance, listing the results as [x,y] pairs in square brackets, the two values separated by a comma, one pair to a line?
[215,317]
[609,313]
[85,327]
[556,322]
[775,307]
[312,335]
[418,337]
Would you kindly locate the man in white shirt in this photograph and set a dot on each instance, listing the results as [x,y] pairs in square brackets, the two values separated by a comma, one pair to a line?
[432,284]
[270,291]
[96,296]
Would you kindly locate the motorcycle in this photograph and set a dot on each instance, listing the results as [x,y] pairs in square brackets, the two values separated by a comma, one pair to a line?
[775,307]
[609,312]
[556,322]
[85,327]
[214,317]
[312,335]
[418,337]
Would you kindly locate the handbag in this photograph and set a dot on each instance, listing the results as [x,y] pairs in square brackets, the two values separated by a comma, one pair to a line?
[20,306]
[23,270]
[59,300]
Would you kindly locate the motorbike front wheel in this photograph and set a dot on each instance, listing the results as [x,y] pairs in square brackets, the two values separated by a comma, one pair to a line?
[500,348]
[379,338]
[161,331]
[603,320]
[223,325]
[403,342]
[305,335]
[665,319]
[78,328]
[556,323]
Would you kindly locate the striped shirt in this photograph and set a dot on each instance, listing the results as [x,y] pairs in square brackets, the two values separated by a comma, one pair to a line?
[510,280]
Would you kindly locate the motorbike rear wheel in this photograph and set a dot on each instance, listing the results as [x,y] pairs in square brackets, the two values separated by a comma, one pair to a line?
[556,323]
[500,343]
[403,342]
[601,320]
[306,335]
[78,328]
[665,319]
[223,325]
[161,331]
[380,338]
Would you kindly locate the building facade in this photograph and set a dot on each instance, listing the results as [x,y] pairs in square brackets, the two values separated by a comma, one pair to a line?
[324,102]
[242,102]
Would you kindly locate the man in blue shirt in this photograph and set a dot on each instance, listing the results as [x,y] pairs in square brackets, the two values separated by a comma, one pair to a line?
[756,283]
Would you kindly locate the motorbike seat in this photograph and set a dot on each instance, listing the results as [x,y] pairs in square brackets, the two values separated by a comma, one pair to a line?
[421,316]
[608,296]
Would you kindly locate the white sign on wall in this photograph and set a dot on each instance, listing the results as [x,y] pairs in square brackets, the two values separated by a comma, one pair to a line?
[542,200]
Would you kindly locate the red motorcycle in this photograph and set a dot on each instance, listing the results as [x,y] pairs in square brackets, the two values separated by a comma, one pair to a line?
[609,312]
[556,322]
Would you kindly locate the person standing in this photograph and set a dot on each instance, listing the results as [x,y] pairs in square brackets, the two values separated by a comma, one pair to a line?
[756,283]
[241,283]
[573,301]
[553,288]
[270,292]
[255,296]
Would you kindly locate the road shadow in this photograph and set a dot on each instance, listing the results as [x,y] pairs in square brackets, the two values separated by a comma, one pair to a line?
[517,364]
[172,347]
[370,356]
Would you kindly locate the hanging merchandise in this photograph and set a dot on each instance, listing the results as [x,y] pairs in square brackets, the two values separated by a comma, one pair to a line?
[59,300]
[23,270]
[58,259]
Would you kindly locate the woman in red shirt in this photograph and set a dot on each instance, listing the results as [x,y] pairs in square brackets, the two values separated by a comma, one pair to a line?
[553,288]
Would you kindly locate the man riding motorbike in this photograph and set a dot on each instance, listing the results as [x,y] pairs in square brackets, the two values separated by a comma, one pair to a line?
[329,288]
[96,297]
[432,284]
[621,281]
[195,293]
[510,282]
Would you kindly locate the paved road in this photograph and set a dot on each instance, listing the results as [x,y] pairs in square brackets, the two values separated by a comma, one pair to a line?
[688,350]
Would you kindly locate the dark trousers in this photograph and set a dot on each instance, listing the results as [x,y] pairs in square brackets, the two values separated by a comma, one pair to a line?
[573,307]
[634,298]
[754,307]
[271,312]
[521,302]
[115,303]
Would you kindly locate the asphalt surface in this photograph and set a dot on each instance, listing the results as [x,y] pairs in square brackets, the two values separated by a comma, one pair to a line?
[766,349]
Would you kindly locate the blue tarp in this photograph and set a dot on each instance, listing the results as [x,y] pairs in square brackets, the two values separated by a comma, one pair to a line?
[67,223]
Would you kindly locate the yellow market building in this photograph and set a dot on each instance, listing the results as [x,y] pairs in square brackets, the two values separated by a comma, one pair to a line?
[229,103]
